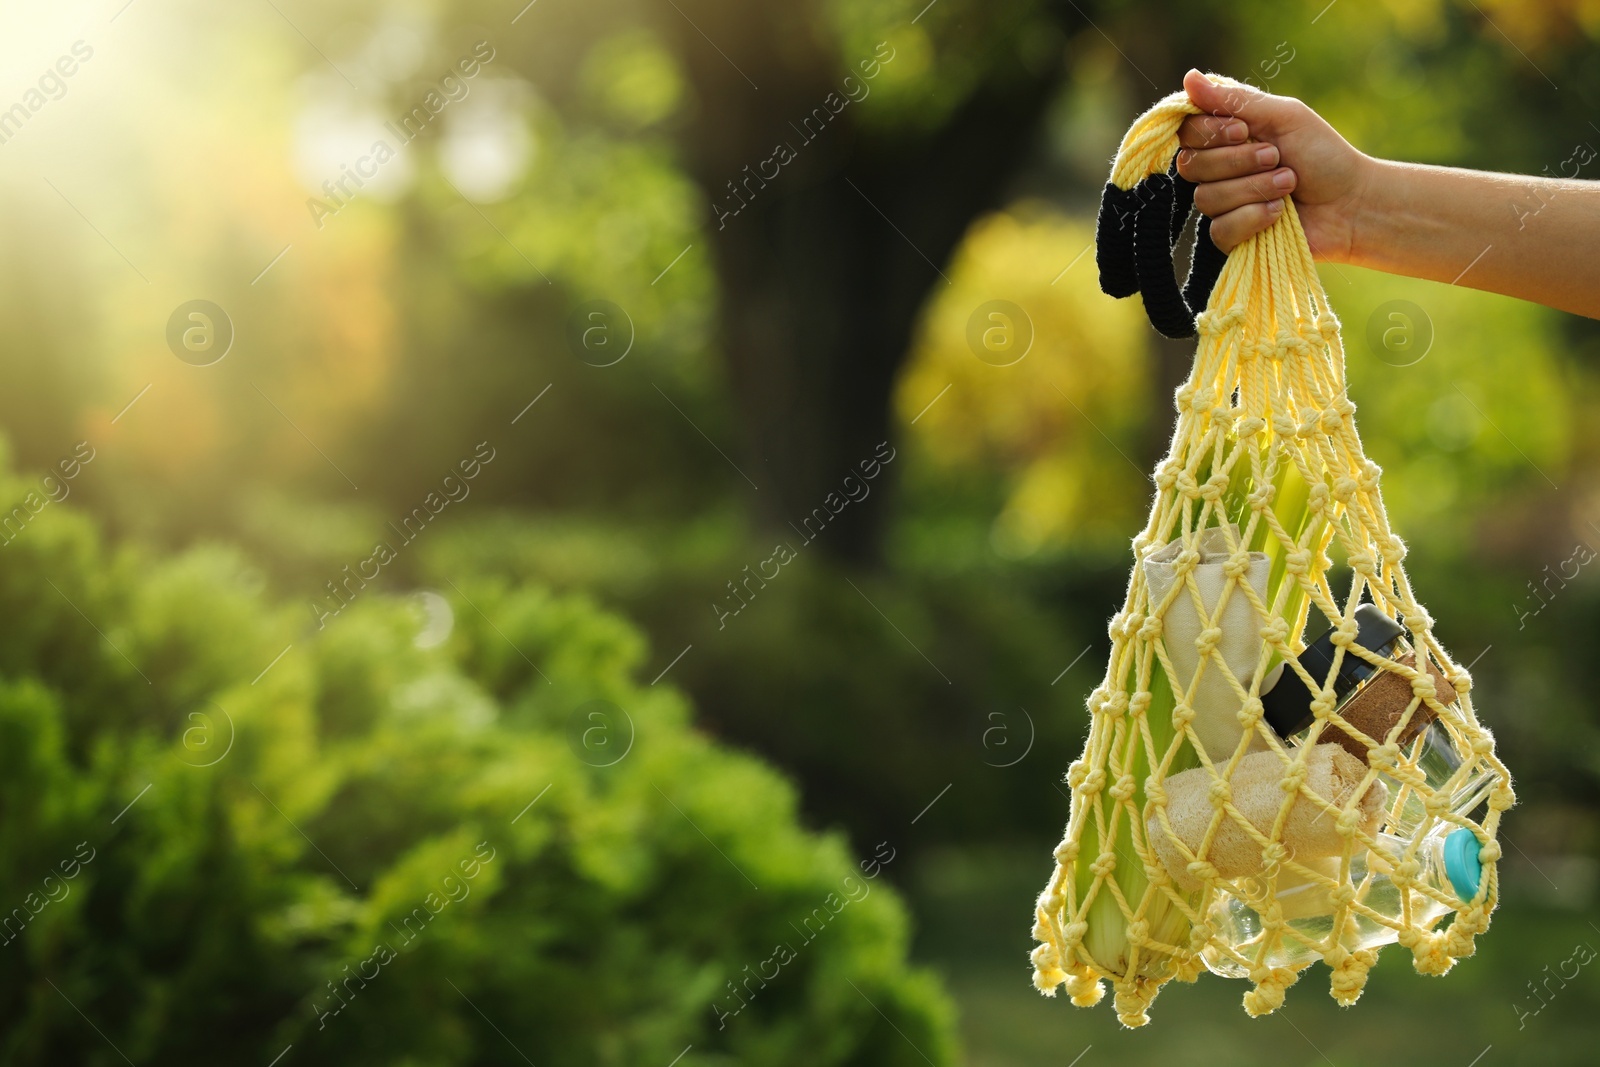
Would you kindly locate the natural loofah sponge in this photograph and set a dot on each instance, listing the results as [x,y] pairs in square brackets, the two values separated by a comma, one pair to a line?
[1309,832]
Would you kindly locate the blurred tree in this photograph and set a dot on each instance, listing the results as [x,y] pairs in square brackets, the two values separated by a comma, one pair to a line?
[822,278]
[397,840]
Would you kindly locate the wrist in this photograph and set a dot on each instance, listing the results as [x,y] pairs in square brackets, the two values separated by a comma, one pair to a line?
[1371,206]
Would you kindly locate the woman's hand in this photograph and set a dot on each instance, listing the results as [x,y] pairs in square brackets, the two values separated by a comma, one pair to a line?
[1252,148]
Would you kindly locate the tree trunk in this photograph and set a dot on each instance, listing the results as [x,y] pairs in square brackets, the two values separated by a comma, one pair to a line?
[824,267]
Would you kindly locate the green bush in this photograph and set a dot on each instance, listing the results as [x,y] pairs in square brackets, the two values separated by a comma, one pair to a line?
[875,690]
[376,852]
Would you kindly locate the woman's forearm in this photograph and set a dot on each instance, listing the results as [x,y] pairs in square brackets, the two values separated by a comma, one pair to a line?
[1528,237]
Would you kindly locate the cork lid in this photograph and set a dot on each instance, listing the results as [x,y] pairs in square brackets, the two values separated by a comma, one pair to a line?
[1287,705]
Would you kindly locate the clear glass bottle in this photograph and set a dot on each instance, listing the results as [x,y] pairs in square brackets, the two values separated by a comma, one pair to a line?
[1448,862]
[1434,753]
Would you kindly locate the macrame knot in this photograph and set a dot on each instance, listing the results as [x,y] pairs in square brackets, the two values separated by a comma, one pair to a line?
[1151,629]
[1344,635]
[1187,485]
[1047,972]
[1347,822]
[1182,715]
[1297,562]
[1184,397]
[1293,778]
[1394,549]
[1133,1000]
[1350,976]
[1423,686]
[1344,489]
[1206,642]
[1131,622]
[1331,420]
[1273,855]
[1119,626]
[1317,498]
[1339,896]
[1489,853]
[1328,326]
[1283,426]
[1084,986]
[1067,852]
[1250,713]
[1155,792]
[1275,631]
[1502,797]
[1214,487]
[1093,782]
[1138,933]
[1220,792]
[1323,704]
[1267,996]
[1263,497]
[1074,931]
[1237,565]
[1363,563]
[1185,561]
[1167,474]
[1104,864]
[1250,426]
[1384,759]
[1202,871]
[1123,789]
[1429,956]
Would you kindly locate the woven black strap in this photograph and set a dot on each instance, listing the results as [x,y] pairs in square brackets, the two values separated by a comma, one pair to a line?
[1136,236]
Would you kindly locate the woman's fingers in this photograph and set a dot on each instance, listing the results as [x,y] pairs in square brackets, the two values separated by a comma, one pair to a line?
[1233,161]
[1230,228]
[1210,131]
[1218,198]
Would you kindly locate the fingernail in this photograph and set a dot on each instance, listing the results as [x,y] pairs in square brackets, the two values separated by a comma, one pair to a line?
[1283,179]
[1235,131]
[1267,155]
[1274,206]
[1184,155]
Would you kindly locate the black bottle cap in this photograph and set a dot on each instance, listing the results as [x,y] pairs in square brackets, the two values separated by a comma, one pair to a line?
[1287,705]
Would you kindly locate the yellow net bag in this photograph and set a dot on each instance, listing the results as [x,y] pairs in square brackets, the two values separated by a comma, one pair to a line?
[1263,785]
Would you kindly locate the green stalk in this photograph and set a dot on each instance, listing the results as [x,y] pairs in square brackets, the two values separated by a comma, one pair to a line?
[1105,941]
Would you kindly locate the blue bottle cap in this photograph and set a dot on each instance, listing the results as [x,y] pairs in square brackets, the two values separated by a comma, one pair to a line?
[1461,863]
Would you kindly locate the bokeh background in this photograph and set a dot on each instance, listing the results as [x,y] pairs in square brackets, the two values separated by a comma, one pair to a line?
[578,594]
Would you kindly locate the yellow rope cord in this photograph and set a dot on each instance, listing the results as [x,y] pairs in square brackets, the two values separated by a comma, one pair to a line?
[1267,389]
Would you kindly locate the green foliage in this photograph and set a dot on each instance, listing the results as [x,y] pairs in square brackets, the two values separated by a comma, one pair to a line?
[380,853]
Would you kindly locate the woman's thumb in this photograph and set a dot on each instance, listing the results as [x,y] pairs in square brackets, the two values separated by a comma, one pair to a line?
[1214,99]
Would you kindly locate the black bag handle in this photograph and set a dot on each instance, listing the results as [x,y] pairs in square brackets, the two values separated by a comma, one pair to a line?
[1136,235]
